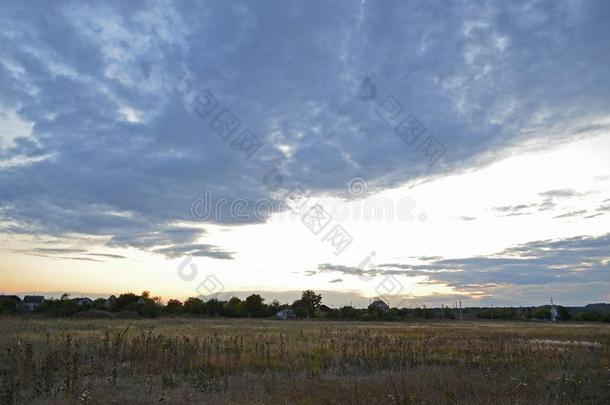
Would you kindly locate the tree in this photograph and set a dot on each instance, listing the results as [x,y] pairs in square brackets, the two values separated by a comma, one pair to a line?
[126,301]
[310,301]
[375,312]
[274,308]
[233,307]
[194,306]
[543,312]
[254,305]
[99,304]
[61,307]
[149,309]
[173,306]
[564,313]
[213,307]
[7,307]
[300,309]
[349,312]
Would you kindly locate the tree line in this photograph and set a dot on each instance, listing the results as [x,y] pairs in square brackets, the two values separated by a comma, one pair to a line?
[308,306]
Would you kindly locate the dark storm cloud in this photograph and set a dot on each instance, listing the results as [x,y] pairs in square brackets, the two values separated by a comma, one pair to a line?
[126,156]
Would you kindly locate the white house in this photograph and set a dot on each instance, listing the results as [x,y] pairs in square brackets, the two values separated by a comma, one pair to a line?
[30,303]
[286,314]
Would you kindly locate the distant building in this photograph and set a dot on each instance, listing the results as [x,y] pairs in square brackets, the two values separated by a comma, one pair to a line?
[381,306]
[30,303]
[286,314]
[325,308]
[110,302]
[83,301]
[10,298]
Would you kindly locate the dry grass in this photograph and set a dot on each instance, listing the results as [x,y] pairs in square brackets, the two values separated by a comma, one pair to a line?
[253,361]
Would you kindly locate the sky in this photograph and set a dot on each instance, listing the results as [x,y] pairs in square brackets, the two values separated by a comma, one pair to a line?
[421,152]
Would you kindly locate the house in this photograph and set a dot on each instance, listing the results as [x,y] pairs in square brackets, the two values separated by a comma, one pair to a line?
[380,306]
[325,308]
[83,301]
[286,314]
[110,302]
[30,303]
[10,298]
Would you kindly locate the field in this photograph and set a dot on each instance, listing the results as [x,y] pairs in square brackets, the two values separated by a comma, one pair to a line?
[182,360]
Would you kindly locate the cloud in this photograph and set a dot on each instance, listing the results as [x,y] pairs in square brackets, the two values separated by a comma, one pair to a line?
[549,202]
[336,280]
[564,193]
[86,259]
[594,215]
[198,249]
[348,270]
[571,214]
[515,210]
[604,208]
[149,239]
[108,255]
[113,129]
[56,250]
[59,253]
[429,258]
[549,264]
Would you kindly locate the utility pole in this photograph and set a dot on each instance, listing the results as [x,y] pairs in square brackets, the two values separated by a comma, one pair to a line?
[461,311]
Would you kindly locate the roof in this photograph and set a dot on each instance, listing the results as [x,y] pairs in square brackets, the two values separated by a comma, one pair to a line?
[380,306]
[379,302]
[10,298]
[33,299]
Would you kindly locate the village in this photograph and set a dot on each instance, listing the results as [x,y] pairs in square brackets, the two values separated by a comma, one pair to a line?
[310,306]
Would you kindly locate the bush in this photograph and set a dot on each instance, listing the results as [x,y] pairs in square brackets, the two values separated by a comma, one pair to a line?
[8,307]
[59,308]
[592,316]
